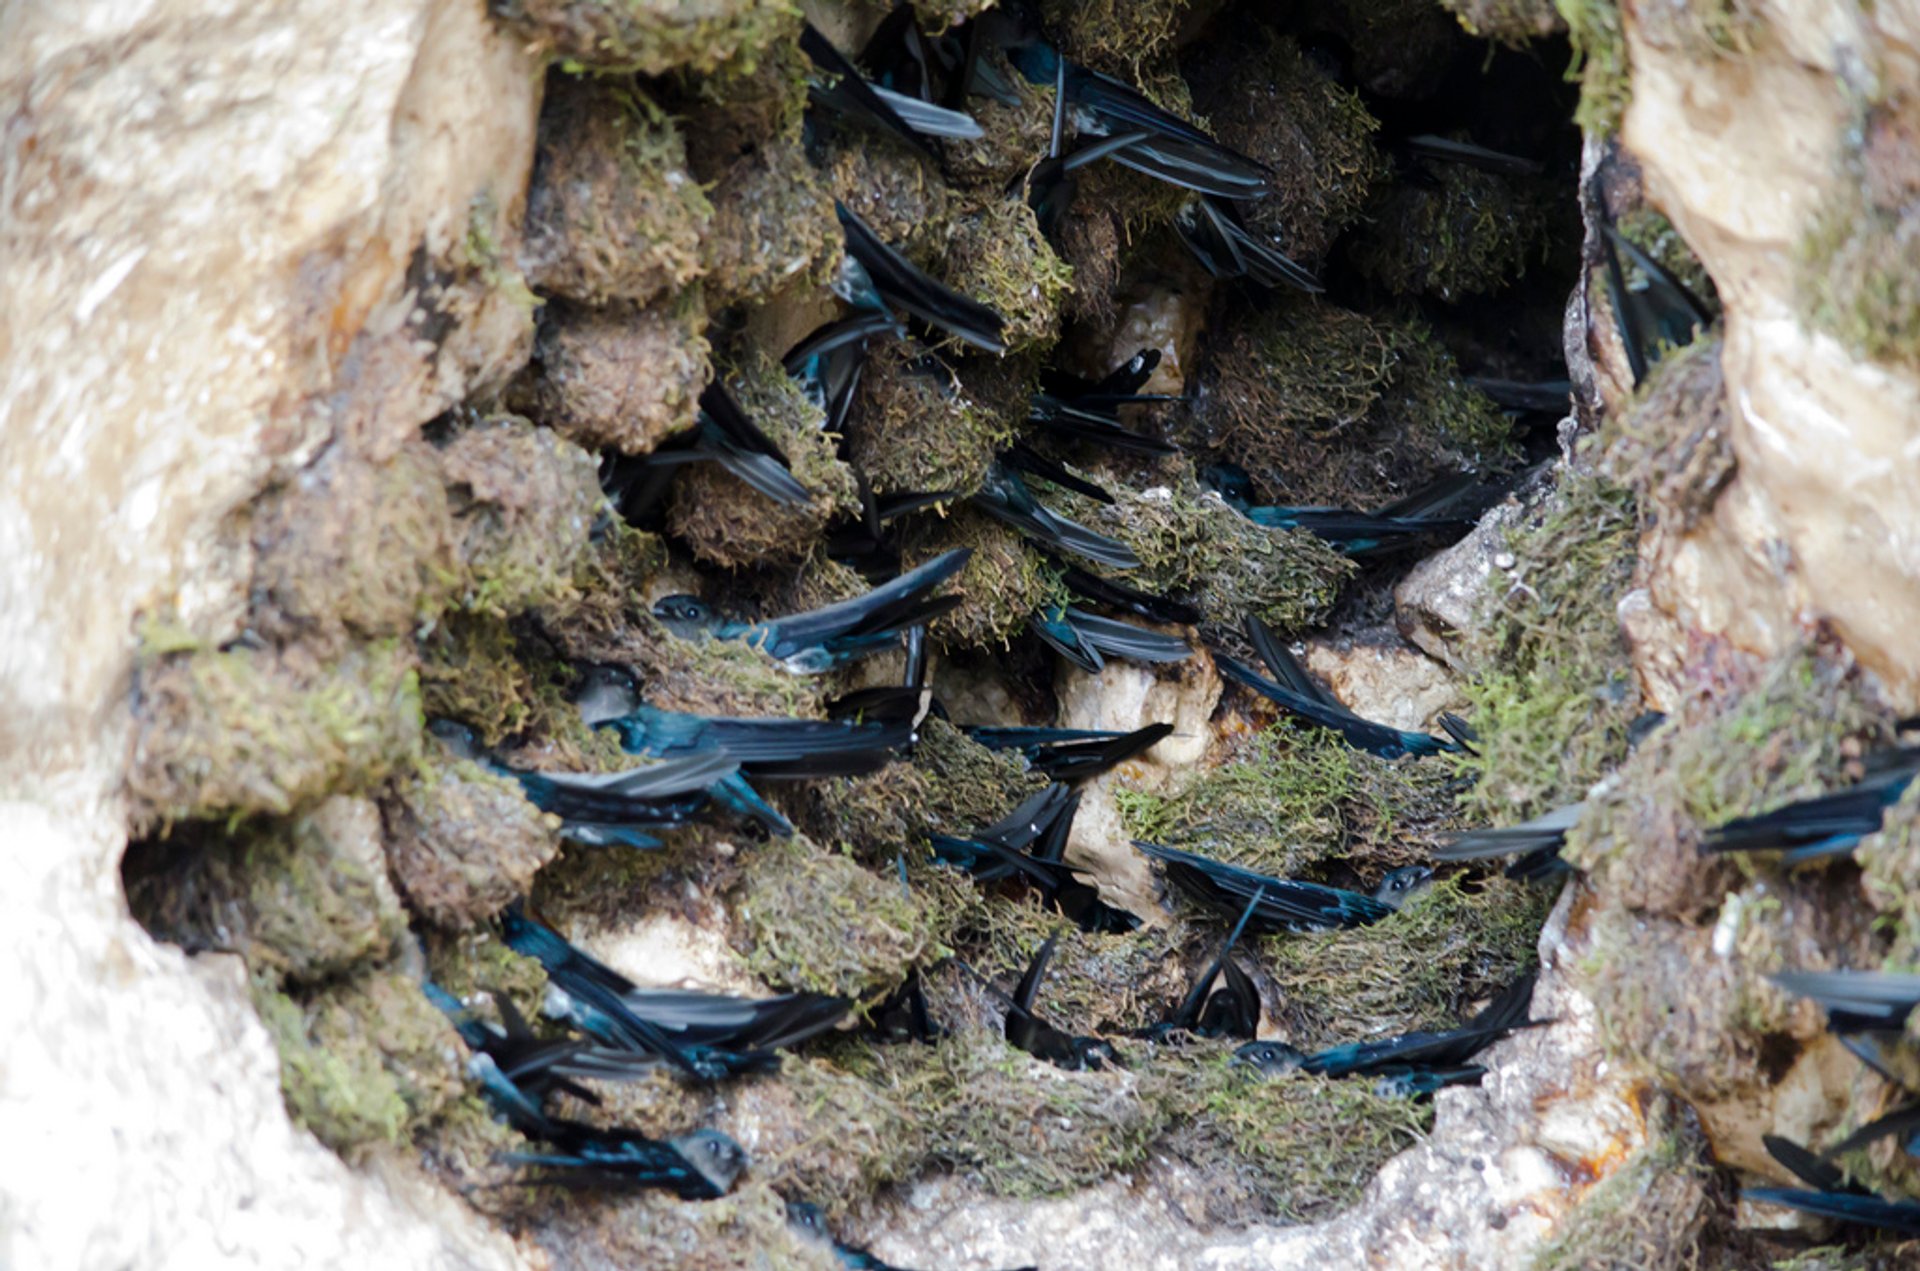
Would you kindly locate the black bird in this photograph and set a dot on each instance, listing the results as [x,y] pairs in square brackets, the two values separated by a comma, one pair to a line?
[1030,845]
[702,1165]
[724,435]
[1415,1063]
[903,1016]
[1042,1040]
[879,279]
[812,1222]
[1661,312]
[1087,640]
[1828,1194]
[1827,825]
[1546,396]
[1449,507]
[1856,1001]
[850,94]
[1301,695]
[706,1035]
[822,639]
[1282,904]
[1213,230]
[1123,596]
[1432,147]
[1536,842]
[1078,410]
[1071,754]
[610,808]
[1232,1012]
[1004,496]
[828,362]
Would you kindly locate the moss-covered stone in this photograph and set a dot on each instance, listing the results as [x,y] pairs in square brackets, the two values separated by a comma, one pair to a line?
[612,212]
[998,257]
[914,428]
[524,500]
[746,1230]
[231,733]
[1856,278]
[728,523]
[1513,23]
[649,36]
[1271,104]
[300,899]
[1652,1211]
[354,545]
[1599,62]
[617,377]
[463,842]
[1674,447]
[813,920]
[1552,670]
[1191,543]
[1326,406]
[896,191]
[1467,233]
[362,1062]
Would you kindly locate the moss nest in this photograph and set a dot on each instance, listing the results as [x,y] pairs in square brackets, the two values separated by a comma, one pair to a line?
[302,898]
[364,1061]
[354,545]
[649,36]
[773,227]
[1191,543]
[1856,279]
[1002,583]
[1674,446]
[746,1230]
[730,524]
[1513,23]
[524,500]
[1268,102]
[617,377]
[813,920]
[900,196]
[1552,671]
[1118,38]
[1428,966]
[716,677]
[231,733]
[1014,136]
[464,842]
[1468,233]
[612,212]
[1599,62]
[998,257]
[1325,406]
[751,102]
[915,428]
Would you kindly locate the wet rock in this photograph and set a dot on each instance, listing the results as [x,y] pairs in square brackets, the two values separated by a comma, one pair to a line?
[617,377]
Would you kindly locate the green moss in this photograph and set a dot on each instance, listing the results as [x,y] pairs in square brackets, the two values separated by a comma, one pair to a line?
[1513,23]
[1469,233]
[463,842]
[363,1062]
[715,677]
[1552,668]
[1673,447]
[751,102]
[523,500]
[353,545]
[303,898]
[243,731]
[728,523]
[477,961]
[1113,36]
[1652,1211]
[1002,583]
[649,36]
[814,920]
[1599,62]
[1270,103]
[998,257]
[1306,1146]
[1012,135]
[914,428]
[1424,967]
[1855,277]
[1191,543]
[1706,29]
[480,252]
[1326,406]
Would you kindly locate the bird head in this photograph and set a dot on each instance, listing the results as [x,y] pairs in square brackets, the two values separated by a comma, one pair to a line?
[715,1157]
[1273,1059]
[461,741]
[686,616]
[606,692]
[1402,885]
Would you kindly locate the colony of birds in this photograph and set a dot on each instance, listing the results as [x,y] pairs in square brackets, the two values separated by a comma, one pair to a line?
[953,275]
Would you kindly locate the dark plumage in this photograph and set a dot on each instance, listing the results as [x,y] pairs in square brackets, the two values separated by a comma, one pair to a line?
[1826,825]
[1072,754]
[1829,1195]
[1282,904]
[1030,845]
[1027,1031]
[878,277]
